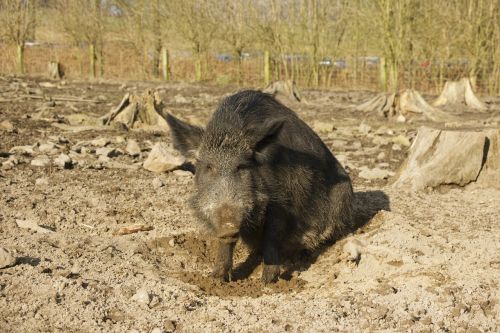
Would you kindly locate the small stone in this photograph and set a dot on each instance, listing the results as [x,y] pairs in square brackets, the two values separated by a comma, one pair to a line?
[7,126]
[400,119]
[23,150]
[401,140]
[108,152]
[157,330]
[104,159]
[356,145]
[337,143]
[48,147]
[352,249]
[180,99]
[375,173]
[41,161]
[396,147]
[364,128]
[120,139]
[182,173]
[63,161]
[100,142]
[59,139]
[133,148]
[157,183]
[381,140]
[32,225]
[6,258]
[169,326]
[10,163]
[142,296]
[322,127]
[171,242]
[160,159]
[381,156]
[42,181]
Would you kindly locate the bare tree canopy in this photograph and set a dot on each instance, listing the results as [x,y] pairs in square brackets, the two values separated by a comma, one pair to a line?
[384,44]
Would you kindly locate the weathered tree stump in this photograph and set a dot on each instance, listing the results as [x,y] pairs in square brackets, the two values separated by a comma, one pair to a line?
[55,70]
[403,104]
[138,111]
[451,157]
[285,91]
[459,92]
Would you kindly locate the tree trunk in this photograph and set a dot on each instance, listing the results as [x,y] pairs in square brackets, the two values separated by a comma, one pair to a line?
[20,58]
[157,39]
[197,68]
[92,57]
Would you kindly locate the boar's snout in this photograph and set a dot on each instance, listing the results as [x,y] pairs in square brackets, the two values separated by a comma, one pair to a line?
[228,220]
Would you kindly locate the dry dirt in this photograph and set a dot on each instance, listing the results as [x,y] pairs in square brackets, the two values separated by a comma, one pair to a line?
[420,262]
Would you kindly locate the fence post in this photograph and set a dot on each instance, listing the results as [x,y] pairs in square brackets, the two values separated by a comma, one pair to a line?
[165,64]
[267,68]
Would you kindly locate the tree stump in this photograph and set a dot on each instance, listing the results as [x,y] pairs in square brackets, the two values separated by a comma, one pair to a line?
[138,111]
[54,70]
[284,91]
[451,157]
[459,92]
[406,104]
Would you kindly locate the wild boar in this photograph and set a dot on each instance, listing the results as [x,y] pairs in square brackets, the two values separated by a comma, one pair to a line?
[265,177]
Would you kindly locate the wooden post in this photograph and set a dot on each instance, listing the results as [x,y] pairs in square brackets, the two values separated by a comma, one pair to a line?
[165,64]
[267,68]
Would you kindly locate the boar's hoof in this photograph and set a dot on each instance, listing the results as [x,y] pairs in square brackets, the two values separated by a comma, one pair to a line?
[221,273]
[270,273]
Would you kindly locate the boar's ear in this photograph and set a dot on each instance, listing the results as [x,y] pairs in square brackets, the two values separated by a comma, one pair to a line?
[186,137]
[264,136]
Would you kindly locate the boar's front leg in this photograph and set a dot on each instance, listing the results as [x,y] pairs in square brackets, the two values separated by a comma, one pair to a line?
[224,260]
[273,232]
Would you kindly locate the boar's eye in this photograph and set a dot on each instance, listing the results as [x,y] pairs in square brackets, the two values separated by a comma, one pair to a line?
[243,166]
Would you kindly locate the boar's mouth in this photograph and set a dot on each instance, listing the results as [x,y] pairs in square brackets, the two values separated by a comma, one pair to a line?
[228,233]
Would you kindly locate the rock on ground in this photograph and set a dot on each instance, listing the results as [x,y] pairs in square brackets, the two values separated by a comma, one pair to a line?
[161,159]
[133,148]
[6,258]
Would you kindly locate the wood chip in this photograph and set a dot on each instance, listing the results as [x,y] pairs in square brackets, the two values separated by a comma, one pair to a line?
[132,229]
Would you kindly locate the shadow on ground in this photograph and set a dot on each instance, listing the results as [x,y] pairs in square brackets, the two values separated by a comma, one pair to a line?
[366,205]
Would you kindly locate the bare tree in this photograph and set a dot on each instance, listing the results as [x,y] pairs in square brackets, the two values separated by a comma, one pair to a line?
[17,23]
[234,29]
[195,20]
[84,21]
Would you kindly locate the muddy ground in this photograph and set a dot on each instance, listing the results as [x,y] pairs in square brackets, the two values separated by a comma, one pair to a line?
[420,262]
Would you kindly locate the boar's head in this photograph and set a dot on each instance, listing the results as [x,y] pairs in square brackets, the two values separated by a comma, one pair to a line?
[230,155]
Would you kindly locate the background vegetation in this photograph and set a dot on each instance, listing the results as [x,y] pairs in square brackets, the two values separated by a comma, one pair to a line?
[376,44]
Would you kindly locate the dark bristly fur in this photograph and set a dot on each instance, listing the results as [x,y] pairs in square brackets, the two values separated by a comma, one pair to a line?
[264,176]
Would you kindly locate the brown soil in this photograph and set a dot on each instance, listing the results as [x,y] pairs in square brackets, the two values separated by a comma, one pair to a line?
[425,261]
